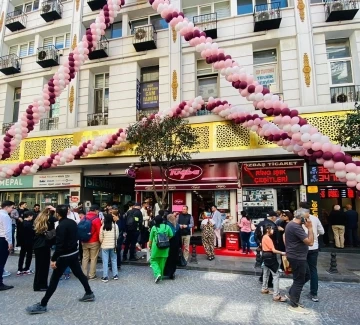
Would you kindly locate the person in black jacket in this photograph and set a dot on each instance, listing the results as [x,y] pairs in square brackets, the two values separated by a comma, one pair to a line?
[26,239]
[121,223]
[65,255]
[175,247]
[19,222]
[44,223]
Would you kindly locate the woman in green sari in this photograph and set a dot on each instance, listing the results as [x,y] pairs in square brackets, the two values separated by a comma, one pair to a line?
[158,255]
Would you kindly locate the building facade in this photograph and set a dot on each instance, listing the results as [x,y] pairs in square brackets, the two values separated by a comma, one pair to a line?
[305,51]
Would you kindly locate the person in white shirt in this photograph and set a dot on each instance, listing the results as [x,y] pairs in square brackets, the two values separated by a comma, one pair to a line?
[73,215]
[6,244]
[313,252]
[145,229]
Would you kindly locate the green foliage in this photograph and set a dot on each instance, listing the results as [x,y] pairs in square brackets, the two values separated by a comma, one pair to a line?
[349,129]
[164,144]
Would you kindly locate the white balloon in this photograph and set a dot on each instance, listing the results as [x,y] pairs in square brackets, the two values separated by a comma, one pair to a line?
[350,176]
[316,137]
[295,128]
[305,137]
[305,128]
[259,97]
[267,97]
[340,173]
[275,98]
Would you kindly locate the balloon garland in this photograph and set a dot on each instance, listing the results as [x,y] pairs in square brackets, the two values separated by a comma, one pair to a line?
[66,72]
[288,128]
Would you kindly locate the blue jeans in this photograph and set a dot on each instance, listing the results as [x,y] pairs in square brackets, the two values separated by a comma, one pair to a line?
[105,259]
[312,258]
[245,240]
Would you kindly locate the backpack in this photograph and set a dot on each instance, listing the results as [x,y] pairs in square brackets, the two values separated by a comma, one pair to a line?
[84,229]
[162,240]
[131,223]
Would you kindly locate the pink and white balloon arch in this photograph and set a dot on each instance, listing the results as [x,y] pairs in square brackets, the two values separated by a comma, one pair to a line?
[288,129]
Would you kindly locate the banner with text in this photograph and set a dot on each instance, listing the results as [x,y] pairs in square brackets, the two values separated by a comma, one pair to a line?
[149,95]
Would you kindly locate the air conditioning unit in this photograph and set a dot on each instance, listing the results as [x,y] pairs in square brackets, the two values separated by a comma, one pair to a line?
[46,8]
[42,55]
[263,16]
[337,6]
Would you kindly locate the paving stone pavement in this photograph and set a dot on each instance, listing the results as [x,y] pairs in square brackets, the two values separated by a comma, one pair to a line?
[195,297]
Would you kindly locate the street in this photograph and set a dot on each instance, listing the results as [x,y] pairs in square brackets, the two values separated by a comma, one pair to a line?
[193,298]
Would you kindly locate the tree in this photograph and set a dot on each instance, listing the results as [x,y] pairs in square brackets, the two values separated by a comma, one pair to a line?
[349,128]
[163,144]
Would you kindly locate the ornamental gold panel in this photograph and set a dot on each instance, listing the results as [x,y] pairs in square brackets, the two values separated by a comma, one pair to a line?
[59,144]
[327,125]
[203,133]
[14,156]
[34,149]
[231,136]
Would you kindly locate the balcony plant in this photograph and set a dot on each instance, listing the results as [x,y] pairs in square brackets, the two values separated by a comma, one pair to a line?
[349,128]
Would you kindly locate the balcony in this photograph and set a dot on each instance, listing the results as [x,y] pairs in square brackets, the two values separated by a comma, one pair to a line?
[16,20]
[345,94]
[339,10]
[51,10]
[47,56]
[6,127]
[144,38]
[10,64]
[96,4]
[140,114]
[207,23]
[50,123]
[267,17]
[97,119]
[101,50]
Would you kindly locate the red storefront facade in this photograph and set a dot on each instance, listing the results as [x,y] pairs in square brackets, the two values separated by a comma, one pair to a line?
[196,185]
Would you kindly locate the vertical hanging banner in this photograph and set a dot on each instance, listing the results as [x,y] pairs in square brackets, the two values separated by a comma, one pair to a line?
[149,95]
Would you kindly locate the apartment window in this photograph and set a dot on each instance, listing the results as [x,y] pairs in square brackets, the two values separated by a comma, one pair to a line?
[149,74]
[317,1]
[207,80]
[101,92]
[339,60]
[222,10]
[266,69]
[16,106]
[22,50]
[55,108]
[27,7]
[157,21]
[114,31]
[60,41]
[247,6]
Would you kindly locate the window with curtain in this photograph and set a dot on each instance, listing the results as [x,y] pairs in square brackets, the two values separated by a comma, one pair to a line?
[190,13]
[266,69]
[55,108]
[244,7]
[114,31]
[222,9]
[149,74]
[101,93]
[158,22]
[67,40]
[16,106]
[22,50]
[13,50]
[207,80]
[48,41]
[60,41]
[339,60]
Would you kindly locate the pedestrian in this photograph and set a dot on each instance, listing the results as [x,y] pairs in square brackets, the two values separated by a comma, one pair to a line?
[65,254]
[120,221]
[19,224]
[351,228]
[36,210]
[133,227]
[158,255]
[324,219]
[144,236]
[186,223]
[44,224]
[337,219]
[208,235]
[297,243]
[286,217]
[6,244]
[109,234]
[271,265]
[175,247]
[27,242]
[91,247]
[14,215]
[216,217]
[245,226]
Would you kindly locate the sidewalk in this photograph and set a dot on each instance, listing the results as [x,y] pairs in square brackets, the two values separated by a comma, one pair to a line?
[348,266]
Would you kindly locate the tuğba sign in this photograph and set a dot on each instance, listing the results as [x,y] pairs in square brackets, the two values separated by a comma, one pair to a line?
[184,173]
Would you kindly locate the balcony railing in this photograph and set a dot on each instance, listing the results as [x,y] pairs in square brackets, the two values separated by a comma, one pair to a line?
[6,127]
[96,4]
[101,50]
[47,56]
[97,119]
[51,10]
[50,123]
[144,38]
[10,64]
[345,94]
[267,16]
[207,23]
[16,20]
[145,113]
[339,10]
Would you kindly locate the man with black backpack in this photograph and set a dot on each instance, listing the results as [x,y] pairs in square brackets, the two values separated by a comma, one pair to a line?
[88,233]
[133,224]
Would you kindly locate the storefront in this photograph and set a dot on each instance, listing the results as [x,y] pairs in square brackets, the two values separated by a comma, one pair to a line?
[269,186]
[198,186]
[43,189]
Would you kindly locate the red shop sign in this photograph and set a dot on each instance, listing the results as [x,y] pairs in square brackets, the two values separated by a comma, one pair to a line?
[266,175]
[184,173]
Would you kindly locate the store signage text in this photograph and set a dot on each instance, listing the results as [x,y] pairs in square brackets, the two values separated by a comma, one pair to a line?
[320,174]
[100,183]
[149,94]
[184,173]
[17,182]
[270,176]
[290,163]
[57,180]
[314,208]
[336,193]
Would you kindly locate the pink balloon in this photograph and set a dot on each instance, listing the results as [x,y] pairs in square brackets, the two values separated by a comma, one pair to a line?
[313,130]
[301,153]
[326,147]
[320,161]
[351,183]
[244,92]
[259,89]
[339,166]
[317,146]
[296,136]
[358,186]
[294,120]
[285,119]
[336,148]
[350,168]
[260,105]
[329,164]
[307,145]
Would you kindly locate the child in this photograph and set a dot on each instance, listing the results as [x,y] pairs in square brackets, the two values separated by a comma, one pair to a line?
[27,238]
[109,234]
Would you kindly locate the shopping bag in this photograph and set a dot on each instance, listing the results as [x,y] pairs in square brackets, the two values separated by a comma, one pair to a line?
[287,266]
[148,254]
[181,261]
